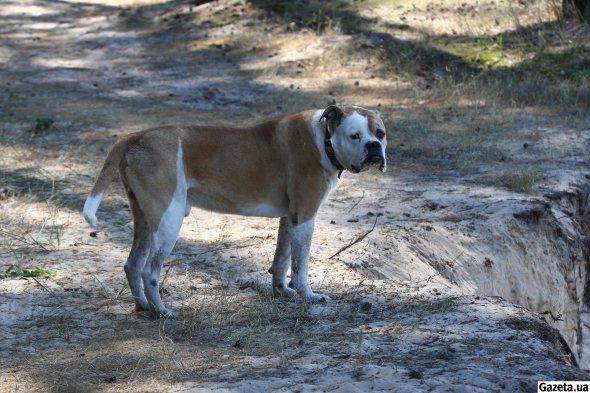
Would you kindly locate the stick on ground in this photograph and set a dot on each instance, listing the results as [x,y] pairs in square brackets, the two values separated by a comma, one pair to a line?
[357,240]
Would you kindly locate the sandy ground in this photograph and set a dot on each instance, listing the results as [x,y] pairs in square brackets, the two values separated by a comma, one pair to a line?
[443,293]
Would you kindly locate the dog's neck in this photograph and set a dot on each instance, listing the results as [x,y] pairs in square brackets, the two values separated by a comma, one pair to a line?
[331,153]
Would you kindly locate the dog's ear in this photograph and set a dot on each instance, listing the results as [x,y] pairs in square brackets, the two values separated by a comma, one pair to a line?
[333,115]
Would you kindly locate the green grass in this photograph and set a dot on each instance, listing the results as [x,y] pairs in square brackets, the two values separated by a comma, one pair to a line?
[16,272]
[487,54]
[522,180]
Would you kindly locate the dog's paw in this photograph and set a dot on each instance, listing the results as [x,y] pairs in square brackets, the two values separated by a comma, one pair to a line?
[317,298]
[164,313]
[283,292]
[142,305]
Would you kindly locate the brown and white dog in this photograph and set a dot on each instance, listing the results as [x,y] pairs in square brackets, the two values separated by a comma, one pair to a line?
[283,168]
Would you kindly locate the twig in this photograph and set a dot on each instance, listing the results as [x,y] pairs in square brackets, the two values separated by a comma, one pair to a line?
[170,264]
[357,240]
[192,254]
[357,202]
[451,262]
[30,241]
[45,287]
[555,318]
[106,293]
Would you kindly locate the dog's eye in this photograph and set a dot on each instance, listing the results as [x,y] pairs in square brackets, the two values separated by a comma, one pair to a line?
[355,136]
[380,134]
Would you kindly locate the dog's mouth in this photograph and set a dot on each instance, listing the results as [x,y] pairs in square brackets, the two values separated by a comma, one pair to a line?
[372,161]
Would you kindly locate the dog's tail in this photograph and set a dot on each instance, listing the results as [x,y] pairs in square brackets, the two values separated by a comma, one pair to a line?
[105,177]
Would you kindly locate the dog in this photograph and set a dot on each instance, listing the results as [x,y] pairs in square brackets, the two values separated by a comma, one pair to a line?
[282,168]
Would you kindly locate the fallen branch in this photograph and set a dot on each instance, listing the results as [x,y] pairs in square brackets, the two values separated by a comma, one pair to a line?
[45,287]
[555,318]
[357,240]
[214,249]
[357,202]
[439,273]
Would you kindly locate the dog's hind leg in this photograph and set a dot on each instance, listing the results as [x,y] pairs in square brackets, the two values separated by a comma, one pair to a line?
[157,189]
[138,254]
[164,238]
[163,241]
[282,260]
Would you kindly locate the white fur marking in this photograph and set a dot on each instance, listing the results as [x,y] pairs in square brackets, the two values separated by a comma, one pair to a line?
[264,210]
[300,248]
[351,152]
[356,123]
[178,204]
[90,207]
[165,237]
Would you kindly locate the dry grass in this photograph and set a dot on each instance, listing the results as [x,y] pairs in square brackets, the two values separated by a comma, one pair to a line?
[218,329]
[459,89]
[221,328]
[476,71]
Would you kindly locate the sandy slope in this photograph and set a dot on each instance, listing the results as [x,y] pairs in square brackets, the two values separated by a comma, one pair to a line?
[416,302]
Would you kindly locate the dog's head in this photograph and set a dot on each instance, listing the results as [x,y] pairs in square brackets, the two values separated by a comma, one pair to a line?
[358,137]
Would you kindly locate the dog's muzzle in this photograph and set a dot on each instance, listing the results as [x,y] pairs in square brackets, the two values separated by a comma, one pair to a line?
[374,158]
[374,161]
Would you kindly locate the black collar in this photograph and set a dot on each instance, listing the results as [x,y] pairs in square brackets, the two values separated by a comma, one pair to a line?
[331,154]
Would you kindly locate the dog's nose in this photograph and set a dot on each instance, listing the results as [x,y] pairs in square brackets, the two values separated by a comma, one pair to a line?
[373,145]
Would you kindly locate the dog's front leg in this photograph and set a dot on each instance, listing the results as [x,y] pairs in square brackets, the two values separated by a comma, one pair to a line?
[282,260]
[302,234]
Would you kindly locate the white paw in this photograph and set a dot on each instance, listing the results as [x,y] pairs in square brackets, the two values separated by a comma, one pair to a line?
[142,305]
[317,298]
[283,292]
[165,313]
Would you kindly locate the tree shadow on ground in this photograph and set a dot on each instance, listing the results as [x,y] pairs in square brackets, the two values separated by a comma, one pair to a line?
[433,62]
[402,56]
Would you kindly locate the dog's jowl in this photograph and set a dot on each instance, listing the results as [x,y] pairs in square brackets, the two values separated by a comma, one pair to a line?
[282,168]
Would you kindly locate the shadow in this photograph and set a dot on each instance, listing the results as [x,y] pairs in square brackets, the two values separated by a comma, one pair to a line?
[190,254]
[434,65]
[126,64]
[80,344]
[100,70]
[122,70]
[27,181]
[148,76]
[410,57]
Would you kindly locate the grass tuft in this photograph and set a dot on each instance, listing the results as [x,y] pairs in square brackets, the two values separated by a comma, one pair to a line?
[522,180]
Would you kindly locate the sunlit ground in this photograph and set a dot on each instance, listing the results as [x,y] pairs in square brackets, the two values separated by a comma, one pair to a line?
[119,3]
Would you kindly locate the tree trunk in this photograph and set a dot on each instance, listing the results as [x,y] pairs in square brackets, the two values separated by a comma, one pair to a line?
[577,8]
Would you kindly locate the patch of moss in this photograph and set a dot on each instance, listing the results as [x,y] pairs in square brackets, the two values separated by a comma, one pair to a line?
[557,64]
[483,55]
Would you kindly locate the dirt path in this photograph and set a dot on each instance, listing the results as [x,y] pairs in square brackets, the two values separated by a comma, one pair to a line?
[411,310]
